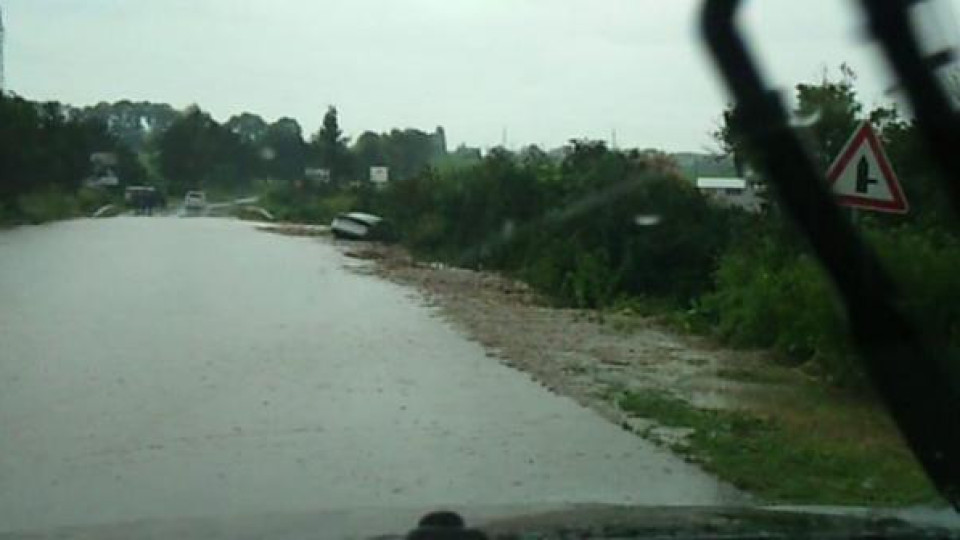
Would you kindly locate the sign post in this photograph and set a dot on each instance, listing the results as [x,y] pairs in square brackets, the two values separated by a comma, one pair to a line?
[862,178]
[379,175]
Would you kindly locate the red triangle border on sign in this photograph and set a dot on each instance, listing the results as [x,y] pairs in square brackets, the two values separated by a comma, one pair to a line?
[899,203]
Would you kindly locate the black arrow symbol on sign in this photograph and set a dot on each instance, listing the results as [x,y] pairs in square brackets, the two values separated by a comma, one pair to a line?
[863,176]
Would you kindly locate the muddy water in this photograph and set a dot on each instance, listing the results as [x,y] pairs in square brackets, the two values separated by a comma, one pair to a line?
[166,367]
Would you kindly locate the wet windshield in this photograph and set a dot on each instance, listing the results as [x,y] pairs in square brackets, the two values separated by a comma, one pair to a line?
[283,258]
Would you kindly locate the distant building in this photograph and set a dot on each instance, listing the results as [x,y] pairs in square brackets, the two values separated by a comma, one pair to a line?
[439,142]
[695,165]
[107,180]
[104,165]
[732,192]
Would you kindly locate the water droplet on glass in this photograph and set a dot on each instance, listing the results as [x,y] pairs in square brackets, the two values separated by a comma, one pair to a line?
[805,121]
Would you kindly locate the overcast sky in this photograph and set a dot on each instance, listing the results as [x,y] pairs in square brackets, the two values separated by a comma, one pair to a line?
[546,71]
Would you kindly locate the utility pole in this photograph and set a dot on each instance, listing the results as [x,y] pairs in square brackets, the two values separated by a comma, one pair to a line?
[3,85]
[613,139]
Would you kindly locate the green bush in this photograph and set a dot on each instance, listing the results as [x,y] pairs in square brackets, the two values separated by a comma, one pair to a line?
[925,263]
[546,269]
[48,205]
[426,234]
[331,206]
[769,295]
[287,201]
[759,301]
[571,230]
[592,283]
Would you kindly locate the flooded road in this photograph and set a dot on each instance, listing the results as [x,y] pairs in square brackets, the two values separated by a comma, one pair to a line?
[164,367]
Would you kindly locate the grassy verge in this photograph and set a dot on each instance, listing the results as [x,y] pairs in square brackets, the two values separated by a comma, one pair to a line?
[810,447]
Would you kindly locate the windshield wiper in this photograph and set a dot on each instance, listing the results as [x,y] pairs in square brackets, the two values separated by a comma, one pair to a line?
[908,367]
[939,128]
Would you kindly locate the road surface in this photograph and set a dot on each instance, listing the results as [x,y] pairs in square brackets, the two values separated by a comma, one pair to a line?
[167,367]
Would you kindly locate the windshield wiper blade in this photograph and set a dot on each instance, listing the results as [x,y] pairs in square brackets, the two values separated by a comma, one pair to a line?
[889,22]
[908,368]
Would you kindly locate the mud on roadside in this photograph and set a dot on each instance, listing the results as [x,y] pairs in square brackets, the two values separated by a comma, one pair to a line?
[294,229]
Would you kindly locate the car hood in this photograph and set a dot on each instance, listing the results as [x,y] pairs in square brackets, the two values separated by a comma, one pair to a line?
[540,521]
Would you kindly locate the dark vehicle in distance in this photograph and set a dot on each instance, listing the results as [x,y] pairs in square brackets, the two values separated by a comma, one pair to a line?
[143,200]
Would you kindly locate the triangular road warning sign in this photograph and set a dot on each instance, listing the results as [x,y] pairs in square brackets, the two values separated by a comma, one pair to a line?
[861,176]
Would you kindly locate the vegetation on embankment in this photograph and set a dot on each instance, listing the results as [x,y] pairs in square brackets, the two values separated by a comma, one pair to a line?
[745,279]
[54,204]
[45,156]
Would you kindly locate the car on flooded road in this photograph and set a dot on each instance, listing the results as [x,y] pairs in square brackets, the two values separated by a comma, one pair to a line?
[194,203]
[360,226]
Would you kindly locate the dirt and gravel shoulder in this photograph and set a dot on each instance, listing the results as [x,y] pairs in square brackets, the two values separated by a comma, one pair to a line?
[579,353]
